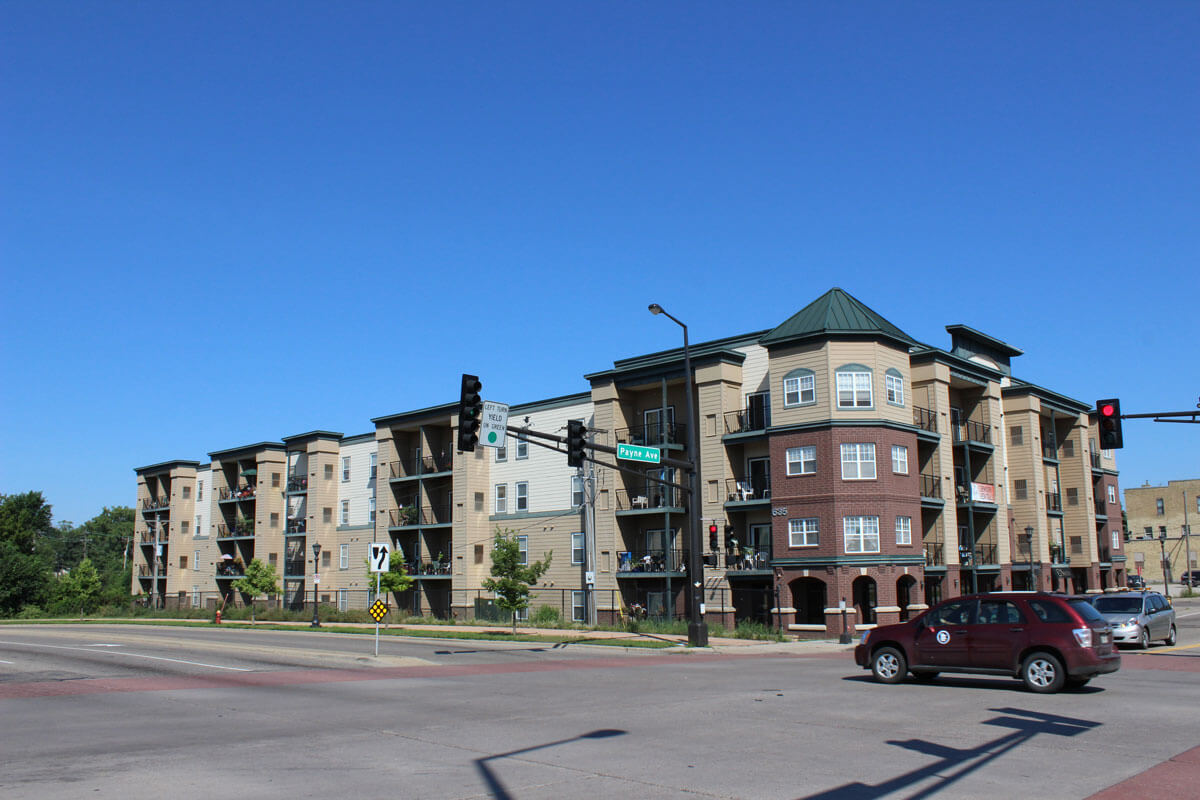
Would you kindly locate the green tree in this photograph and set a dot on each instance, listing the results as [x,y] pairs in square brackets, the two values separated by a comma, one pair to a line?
[24,518]
[79,590]
[511,579]
[259,579]
[24,579]
[396,579]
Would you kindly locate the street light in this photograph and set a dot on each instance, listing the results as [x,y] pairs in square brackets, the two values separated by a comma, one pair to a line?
[316,623]
[697,630]
[1166,566]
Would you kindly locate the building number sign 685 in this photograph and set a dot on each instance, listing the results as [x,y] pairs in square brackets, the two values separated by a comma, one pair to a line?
[778,512]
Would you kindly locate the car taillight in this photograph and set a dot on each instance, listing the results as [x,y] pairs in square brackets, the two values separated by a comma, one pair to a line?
[864,637]
[1083,636]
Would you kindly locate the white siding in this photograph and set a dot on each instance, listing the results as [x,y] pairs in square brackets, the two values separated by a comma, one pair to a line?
[754,370]
[545,471]
[360,488]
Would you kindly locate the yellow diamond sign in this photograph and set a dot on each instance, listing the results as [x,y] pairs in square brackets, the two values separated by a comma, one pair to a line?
[378,610]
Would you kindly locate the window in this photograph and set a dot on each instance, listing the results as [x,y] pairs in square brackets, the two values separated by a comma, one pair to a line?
[577,548]
[1072,496]
[329,472]
[343,598]
[195,597]
[1112,493]
[854,389]
[187,492]
[274,519]
[858,462]
[345,468]
[801,460]
[576,491]
[1158,504]
[478,554]
[861,534]
[1018,434]
[374,465]
[799,388]
[199,490]
[522,449]
[1069,448]
[343,556]
[502,453]
[326,559]
[899,459]
[999,612]
[955,613]
[523,547]
[522,496]
[370,510]
[1076,545]
[273,559]
[327,514]
[345,512]
[198,531]
[1048,611]
[578,606]
[478,501]
[501,498]
[1148,532]
[894,382]
[183,528]
[274,480]
[1022,489]
[195,559]
[903,530]
[183,562]
[803,532]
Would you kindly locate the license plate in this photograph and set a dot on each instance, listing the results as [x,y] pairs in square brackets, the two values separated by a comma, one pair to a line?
[1104,638]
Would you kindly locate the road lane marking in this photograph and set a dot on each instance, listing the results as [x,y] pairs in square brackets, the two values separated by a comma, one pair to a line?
[132,655]
[2,661]
[1170,649]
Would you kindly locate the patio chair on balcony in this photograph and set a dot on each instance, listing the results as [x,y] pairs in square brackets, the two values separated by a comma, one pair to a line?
[744,490]
[639,502]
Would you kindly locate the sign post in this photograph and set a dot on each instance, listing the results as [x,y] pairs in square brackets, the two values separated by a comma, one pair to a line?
[380,562]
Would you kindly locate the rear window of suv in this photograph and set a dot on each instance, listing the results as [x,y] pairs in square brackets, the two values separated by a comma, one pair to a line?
[1050,611]
[1086,610]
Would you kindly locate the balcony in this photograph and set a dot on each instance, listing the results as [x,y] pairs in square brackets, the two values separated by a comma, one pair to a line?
[935,555]
[671,433]
[746,420]
[297,484]
[740,490]
[982,553]
[1095,459]
[230,570]
[296,526]
[743,559]
[925,419]
[650,562]
[970,431]
[293,567]
[1101,509]
[1054,502]
[409,515]
[155,503]
[931,485]
[428,568]
[416,467]
[1049,452]
[241,530]
[648,499]
[145,571]
[151,537]
[228,495]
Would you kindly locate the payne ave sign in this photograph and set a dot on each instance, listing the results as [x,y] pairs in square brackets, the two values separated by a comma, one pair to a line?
[636,452]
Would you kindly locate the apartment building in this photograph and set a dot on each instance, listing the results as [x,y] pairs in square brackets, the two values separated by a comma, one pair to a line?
[841,461]
[1158,518]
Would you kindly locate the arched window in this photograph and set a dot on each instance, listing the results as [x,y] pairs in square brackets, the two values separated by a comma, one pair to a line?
[799,388]
[895,387]
[853,383]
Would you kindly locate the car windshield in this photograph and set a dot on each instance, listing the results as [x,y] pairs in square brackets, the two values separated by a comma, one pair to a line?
[1086,610]
[1118,605]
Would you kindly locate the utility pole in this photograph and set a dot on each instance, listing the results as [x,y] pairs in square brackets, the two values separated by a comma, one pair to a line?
[1187,543]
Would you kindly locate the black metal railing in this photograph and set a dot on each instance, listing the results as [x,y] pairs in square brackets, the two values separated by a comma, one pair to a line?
[651,561]
[925,419]
[295,526]
[935,554]
[931,485]
[1095,458]
[1049,451]
[149,536]
[986,553]
[668,433]
[155,503]
[297,483]
[648,497]
[428,567]
[971,431]
[226,532]
[425,515]
[745,419]
[1053,502]
[227,569]
[742,559]
[413,467]
[227,495]
[1101,508]
[742,489]
[293,566]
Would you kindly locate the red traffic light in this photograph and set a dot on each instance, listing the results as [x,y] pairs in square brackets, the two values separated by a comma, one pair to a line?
[1107,410]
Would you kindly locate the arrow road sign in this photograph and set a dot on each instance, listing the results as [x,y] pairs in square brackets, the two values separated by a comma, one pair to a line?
[379,556]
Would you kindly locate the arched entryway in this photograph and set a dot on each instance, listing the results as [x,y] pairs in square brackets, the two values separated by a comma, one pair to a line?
[866,598]
[906,590]
[808,598]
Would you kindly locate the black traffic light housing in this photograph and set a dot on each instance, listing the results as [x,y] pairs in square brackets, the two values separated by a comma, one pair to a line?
[1108,419]
[470,413]
[712,537]
[576,433]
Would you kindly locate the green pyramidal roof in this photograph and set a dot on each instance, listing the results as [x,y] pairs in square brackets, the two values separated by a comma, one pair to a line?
[834,313]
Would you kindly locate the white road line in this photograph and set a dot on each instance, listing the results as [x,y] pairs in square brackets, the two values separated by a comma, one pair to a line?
[131,655]
[2,661]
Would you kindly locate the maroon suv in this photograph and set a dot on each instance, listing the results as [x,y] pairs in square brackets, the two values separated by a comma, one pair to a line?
[1048,640]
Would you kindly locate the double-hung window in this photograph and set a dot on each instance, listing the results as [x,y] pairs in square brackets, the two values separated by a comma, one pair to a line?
[578,606]
[501,498]
[522,449]
[861,534]
[895,388]
[345,512]
[523,547]
[345,468]
[576,548]
[801,460]
[576,491]
[899,459]
[343,556]
[854,389]
[799,388]
[803,532]
[903,530]
[522,496]
[858,461]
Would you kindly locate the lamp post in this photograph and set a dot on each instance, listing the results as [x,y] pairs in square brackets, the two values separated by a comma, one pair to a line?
[316,548]
[1162,545]
[1029,555]
[697,630]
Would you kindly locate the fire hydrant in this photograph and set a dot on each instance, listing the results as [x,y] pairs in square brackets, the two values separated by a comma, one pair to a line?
[218,616]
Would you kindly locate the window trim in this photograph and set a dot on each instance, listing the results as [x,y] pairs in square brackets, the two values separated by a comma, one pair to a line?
[522,485]
[580,549]
[580,606]
[345,469]
[577,488]
[345,516]
[799,375]
[788,462]
[893,374]
[905,529]
[343,556]
[523,549]
[858,461]
[500,498]
[902,449]
[862,534]
[853,372]
[804,531]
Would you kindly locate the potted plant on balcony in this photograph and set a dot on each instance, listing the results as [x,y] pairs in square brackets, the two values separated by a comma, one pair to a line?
[408,515]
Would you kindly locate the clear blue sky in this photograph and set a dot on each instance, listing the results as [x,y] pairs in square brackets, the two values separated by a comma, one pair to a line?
[227,222]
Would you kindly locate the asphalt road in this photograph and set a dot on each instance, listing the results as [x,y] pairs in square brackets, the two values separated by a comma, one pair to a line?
[123,711]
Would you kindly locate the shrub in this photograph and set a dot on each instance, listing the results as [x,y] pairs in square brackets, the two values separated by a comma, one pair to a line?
[547,617]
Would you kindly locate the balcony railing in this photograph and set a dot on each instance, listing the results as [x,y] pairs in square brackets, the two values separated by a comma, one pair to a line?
[651,561]
[413,467]
[743,559]
[297,483]
[426,515]
[1095,458]
[1049,451]
[145,571]
[295,526]
[1053,502]
[971,431]
[931,485]
[1101,508]
[155,503]
[226,532]
[428,567]
[935,554]
[982,553]
[227,495]
[925,419]
[293,566]
[149,536]
[740,490]
[228,570]
[670,433]
[650,497]
[746,419]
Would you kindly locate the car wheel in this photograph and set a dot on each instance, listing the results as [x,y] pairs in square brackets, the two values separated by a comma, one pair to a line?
[925,677]
[1076,683]
[1171,637]
[888,665]
[1042,673]
[1144,642]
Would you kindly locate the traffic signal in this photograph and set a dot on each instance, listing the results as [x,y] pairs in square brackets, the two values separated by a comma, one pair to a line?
[470,413]
[575,443]
[1108,414]
[712,536]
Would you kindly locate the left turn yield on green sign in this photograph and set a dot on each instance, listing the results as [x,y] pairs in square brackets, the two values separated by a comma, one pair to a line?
[495,423]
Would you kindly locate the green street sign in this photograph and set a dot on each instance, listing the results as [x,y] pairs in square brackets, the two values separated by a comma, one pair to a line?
[635,452]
